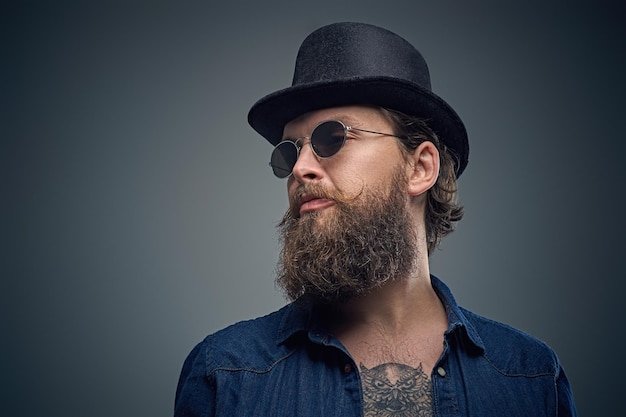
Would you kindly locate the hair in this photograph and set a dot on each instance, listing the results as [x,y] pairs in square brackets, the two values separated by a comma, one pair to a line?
[442,210]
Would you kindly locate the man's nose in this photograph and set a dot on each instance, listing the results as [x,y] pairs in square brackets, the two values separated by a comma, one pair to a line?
[307,167]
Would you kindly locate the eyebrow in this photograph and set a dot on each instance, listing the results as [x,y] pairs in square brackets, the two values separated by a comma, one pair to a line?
[346,119]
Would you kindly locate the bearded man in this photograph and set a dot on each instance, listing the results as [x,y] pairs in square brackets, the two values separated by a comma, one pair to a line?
[371,156]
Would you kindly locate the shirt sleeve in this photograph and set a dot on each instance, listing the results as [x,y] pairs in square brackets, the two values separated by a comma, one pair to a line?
[195,395]
[565,396]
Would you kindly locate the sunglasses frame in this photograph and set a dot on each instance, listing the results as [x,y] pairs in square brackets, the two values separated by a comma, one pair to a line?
[295,142]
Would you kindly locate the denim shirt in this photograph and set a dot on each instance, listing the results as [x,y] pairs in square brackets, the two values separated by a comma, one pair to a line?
[288,364]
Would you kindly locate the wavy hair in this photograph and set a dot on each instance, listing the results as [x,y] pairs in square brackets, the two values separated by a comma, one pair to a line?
[442,210]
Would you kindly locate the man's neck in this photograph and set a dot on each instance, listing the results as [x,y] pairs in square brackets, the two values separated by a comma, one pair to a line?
[397,307]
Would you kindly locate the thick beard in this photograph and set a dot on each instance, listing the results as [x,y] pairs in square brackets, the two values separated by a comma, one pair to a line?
[358,246]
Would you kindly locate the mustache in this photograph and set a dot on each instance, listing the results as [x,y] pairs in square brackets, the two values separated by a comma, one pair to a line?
[317,191]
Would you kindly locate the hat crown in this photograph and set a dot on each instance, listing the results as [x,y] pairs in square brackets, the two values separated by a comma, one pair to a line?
[351,63]
[343,51]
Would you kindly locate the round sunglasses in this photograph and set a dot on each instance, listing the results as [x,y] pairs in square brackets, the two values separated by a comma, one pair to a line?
[326,140]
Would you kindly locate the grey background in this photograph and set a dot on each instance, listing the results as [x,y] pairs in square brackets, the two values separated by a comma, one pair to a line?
[139,211]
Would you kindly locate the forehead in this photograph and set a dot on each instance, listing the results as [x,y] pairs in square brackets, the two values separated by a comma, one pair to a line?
[357,116]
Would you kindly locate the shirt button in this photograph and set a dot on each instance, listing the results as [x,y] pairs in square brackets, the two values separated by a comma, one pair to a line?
[441,371]
[347,368]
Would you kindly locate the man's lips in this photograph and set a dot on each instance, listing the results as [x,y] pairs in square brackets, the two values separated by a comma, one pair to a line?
[312,203]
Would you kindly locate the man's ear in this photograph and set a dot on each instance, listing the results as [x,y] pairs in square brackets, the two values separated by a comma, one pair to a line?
[424,168]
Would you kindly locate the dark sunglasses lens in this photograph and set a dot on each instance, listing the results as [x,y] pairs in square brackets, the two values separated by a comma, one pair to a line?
[284,157]
[327,139]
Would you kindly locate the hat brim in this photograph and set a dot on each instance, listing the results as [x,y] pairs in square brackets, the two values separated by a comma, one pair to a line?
[269,115]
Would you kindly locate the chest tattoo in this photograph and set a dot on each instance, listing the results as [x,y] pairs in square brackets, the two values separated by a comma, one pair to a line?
[394,389]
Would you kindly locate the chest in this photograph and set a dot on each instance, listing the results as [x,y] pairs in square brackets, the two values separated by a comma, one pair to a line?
[396,389]
[395,374]
[324,380]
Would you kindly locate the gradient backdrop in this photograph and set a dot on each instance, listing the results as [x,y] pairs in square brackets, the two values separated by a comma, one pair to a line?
[139,212]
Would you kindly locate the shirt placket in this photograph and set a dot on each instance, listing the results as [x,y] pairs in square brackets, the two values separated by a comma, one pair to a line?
[444,388]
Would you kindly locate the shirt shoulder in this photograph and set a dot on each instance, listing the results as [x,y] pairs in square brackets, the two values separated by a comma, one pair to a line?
[246,345]
[511,350]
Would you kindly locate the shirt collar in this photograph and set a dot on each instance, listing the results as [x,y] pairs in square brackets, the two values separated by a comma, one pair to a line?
[304,316]
[301,316]
[457,320]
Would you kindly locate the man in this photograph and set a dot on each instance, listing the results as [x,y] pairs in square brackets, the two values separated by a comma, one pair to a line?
[371,156]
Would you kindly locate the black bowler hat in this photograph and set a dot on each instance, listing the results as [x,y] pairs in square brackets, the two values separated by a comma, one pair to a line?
[356,63]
